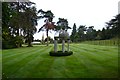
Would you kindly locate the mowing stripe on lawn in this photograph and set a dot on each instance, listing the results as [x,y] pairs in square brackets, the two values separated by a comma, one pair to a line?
[97,49]
[87,61]
[42,67]
[16,52]
[96,63]
[15,58]
[75,68]
[72,64]
[95,52]
[29,66]
[57,68]
[101,56]
[21,52]
[18,62]
[79,71]
[22,55]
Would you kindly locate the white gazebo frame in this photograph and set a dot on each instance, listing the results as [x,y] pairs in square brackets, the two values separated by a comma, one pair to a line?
[63,44]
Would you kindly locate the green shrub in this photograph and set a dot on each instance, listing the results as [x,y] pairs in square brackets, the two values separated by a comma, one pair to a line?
[60,53]
[11,42]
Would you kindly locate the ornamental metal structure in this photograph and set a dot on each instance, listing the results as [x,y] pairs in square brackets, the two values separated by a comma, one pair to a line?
[64,36]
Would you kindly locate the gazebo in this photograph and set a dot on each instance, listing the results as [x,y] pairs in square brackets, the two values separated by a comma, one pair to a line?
[65,37]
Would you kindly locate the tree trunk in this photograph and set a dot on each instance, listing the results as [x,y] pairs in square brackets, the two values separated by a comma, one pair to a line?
[47,37]
[18,19]
[29,41]
[19,44]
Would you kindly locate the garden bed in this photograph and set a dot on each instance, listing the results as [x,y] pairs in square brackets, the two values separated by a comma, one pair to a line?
[60,53]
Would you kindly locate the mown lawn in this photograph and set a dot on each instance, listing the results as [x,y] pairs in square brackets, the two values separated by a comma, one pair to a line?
[87,61]
[111,42]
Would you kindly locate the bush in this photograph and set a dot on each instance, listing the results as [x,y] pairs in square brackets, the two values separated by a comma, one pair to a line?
[60,53]
[11,42]
[8,44]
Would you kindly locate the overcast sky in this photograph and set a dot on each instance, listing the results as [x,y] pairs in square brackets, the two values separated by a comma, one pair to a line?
[82,12]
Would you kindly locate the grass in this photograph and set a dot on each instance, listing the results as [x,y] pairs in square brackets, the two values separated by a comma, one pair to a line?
[87,61]
[112,42]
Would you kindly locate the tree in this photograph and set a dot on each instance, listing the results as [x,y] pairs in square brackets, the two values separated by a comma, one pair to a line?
[8,40]
[62,24]
[113,26]
[118,25]
[27,24]
[17,18]
[98,35]
[73,35]
[30,23]
[91,33]
[48,21]
[81,33]
[50,39]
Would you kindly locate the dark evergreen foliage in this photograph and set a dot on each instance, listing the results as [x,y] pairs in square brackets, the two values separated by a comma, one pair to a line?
[83,33]
[18,23]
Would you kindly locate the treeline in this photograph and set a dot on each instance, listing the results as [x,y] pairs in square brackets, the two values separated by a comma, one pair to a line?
[83,33]
[18,23]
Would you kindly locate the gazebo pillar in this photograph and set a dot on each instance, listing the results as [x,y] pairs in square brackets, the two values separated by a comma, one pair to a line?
[63,45]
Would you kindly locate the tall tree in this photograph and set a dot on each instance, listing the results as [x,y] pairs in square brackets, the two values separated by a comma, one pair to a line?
[91,33]
[48,15]
[15,20]
[74,32]
[26,24]
[98,35]
[30,23]
[113,26]
[62,24]
[81,33]
[8,38]
[118,25]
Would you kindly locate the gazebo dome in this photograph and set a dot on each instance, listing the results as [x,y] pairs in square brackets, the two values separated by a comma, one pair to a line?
[63,34]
